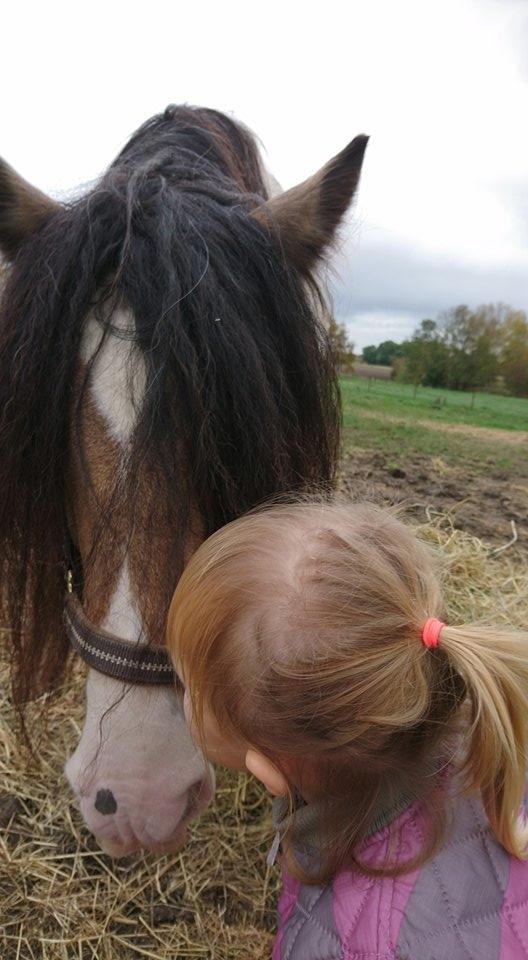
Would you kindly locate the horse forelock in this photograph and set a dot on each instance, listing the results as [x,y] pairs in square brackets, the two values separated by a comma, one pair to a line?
[207,137]
[118,380]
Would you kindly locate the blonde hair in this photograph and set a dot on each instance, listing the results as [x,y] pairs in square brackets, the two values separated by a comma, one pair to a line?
[299,628]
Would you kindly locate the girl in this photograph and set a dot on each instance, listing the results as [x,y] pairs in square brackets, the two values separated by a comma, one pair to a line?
[312,642]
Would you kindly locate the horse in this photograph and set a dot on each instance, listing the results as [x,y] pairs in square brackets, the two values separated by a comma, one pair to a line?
[164,366]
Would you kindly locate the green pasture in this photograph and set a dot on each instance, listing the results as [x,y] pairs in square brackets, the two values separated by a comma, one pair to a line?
[387,417]
[444,406]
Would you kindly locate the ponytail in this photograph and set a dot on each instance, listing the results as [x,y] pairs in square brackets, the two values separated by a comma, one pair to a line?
[494,667]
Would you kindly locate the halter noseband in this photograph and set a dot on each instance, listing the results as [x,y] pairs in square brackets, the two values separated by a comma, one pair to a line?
[114,657]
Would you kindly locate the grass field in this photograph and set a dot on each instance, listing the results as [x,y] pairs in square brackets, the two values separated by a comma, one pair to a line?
[491,434]
[478,410]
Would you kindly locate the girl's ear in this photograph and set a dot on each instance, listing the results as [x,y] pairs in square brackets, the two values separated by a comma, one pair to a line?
[265,770]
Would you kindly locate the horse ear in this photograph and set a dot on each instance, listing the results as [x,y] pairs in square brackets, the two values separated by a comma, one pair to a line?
[23,209]
[308,215]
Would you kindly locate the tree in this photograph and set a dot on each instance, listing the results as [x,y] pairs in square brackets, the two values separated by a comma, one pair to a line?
[427,330]
[388,351]
[473,339]
[415,362]
[342,347]
[426,356]
[370,355]
[514,353]
[383,354]
[465,349]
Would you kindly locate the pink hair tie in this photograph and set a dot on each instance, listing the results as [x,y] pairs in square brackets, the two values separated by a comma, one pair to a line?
[431,632]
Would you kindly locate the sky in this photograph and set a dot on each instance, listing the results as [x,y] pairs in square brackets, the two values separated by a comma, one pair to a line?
[441,87]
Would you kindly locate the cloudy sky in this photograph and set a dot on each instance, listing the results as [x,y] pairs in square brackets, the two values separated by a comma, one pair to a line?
[441,86]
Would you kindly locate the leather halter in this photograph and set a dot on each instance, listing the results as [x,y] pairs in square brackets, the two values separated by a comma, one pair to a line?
[114,657]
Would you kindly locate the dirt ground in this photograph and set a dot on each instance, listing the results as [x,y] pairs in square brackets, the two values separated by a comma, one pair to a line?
[492,506]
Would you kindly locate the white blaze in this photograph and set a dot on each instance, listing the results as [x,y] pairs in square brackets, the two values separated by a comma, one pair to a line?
[118,374]
[117,384]
[135,742]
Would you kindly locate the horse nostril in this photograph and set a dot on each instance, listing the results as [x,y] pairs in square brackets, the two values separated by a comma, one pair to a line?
[105,802]
[193,795]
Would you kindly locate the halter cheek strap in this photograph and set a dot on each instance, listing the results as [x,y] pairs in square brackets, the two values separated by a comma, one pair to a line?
[431,632]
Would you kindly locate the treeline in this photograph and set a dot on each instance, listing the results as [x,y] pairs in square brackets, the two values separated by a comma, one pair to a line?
[463,349]
[342,346]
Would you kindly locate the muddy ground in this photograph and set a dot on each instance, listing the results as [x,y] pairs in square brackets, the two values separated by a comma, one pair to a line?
[484,504]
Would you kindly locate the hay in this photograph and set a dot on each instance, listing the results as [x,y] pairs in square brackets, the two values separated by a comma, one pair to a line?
[60,898]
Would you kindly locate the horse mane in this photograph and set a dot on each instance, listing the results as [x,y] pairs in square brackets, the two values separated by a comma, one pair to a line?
[241,398]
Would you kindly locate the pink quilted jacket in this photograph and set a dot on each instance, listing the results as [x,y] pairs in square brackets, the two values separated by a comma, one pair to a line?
[469,902]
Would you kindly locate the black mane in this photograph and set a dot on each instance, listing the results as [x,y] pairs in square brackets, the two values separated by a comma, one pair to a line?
[241,400]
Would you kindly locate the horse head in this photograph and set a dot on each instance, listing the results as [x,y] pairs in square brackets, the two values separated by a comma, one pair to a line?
[163,367]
